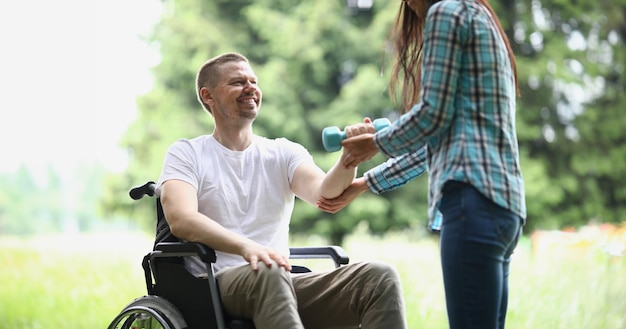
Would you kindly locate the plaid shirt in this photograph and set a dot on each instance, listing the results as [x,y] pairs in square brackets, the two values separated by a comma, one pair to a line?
[464,127]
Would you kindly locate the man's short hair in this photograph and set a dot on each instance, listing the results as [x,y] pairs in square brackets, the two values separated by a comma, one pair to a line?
[209,73]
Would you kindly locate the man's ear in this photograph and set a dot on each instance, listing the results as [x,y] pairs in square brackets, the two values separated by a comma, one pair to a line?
[206,96]
[207,99]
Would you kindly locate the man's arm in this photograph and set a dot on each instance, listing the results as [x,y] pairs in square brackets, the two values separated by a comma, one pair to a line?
[180,206]
[311,187]
[310,183]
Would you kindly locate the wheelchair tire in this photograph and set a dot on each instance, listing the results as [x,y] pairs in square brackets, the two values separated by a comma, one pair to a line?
[149,312]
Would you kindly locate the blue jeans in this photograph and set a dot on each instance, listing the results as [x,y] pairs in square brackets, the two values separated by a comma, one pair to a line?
[477,240]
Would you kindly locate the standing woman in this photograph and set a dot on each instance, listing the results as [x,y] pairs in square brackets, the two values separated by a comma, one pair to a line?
[458,81]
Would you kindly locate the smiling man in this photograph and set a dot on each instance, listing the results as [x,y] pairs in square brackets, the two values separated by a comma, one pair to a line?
[235,191]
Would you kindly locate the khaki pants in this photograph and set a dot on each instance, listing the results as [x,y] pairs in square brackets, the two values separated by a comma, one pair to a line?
[368,294]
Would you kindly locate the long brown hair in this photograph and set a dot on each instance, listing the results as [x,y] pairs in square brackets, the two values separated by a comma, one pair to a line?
[407,36]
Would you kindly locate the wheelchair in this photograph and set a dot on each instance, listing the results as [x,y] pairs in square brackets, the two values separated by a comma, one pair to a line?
[175,298]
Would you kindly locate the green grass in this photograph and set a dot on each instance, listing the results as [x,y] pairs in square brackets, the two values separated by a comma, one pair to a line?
[562,288]
[68,281]
[84,281]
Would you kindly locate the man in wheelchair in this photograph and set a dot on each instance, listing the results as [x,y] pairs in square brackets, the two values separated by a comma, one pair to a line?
[234,191]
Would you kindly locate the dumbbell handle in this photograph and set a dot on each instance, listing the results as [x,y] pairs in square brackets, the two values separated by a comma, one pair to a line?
[332,136]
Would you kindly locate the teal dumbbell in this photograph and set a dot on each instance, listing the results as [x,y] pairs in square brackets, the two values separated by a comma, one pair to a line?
[332,136]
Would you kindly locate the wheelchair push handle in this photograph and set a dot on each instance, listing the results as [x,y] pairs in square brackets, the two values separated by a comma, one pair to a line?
[139,192]
[332,136]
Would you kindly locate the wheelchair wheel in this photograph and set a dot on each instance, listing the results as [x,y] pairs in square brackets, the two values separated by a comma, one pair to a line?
[149,312]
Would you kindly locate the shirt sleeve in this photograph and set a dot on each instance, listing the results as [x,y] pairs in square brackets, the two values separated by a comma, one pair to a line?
[179,163]
[443,48]
[396,172]
[296,155]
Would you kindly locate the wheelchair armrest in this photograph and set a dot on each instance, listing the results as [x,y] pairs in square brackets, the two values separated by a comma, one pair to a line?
[207,255]
[168,249]
[336,253]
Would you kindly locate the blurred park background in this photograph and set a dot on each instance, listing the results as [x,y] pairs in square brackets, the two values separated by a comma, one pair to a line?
[94,91]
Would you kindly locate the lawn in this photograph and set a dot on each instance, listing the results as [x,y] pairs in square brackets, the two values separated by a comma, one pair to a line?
[83,281]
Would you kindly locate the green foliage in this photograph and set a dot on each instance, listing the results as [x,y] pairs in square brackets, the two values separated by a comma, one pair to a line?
[319,64]
[568,124]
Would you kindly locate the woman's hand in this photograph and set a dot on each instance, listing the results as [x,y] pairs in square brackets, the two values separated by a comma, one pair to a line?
[358,149]
[355,189]
[365,127]
[356,140]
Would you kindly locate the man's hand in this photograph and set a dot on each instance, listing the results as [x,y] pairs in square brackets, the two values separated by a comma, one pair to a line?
[355,189]
[254,253]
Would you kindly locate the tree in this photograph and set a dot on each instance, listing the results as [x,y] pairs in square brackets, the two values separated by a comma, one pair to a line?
[314,68]
[320,63]
[571,76]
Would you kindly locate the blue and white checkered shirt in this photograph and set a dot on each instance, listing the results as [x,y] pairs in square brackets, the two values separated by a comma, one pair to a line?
[464,127]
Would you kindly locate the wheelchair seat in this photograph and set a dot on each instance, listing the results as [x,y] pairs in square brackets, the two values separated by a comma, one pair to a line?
[176,299]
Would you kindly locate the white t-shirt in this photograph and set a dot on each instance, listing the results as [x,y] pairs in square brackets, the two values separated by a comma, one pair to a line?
[247,192]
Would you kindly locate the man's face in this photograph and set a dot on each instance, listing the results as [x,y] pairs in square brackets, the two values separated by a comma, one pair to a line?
[236,94]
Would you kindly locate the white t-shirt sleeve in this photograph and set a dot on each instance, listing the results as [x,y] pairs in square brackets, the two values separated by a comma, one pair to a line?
[296,154]
[180,163]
